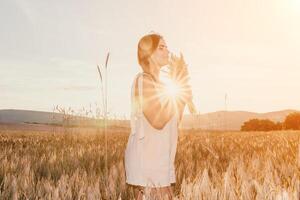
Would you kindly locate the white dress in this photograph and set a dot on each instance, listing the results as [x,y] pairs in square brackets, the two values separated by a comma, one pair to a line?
[150,152]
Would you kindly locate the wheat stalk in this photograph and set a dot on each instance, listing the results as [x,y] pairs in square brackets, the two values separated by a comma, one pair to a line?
[104,103]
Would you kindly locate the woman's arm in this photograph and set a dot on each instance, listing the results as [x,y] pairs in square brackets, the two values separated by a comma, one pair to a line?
[156,113]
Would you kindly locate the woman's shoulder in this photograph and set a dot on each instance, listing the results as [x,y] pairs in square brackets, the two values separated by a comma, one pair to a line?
[144,77]
[143,81]
[139,75]
[141,78]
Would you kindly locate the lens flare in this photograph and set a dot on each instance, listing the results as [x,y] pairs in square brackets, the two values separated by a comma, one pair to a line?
[172,89]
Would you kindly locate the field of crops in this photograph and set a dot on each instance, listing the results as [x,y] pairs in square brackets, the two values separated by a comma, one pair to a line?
[69,164]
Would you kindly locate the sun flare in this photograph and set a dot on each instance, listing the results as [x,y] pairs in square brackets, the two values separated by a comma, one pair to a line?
[172,89]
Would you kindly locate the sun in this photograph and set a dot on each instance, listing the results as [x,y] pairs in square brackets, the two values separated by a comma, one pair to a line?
[172,89]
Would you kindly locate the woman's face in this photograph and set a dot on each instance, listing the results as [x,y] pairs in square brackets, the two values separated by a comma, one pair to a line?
[161,55]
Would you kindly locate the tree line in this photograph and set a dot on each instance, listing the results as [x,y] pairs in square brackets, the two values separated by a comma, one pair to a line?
[291,122]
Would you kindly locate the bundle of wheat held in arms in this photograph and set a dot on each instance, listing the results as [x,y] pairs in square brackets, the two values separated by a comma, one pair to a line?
[178,71]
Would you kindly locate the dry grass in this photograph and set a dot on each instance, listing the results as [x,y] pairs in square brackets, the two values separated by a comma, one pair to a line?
[209,165]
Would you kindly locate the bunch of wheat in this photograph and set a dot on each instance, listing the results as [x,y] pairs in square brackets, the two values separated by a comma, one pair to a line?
[178,71]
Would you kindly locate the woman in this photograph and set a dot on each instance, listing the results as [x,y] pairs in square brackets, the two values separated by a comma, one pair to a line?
[151,147]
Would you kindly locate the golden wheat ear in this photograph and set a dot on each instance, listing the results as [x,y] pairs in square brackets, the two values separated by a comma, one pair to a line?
[182,61]
[181,56]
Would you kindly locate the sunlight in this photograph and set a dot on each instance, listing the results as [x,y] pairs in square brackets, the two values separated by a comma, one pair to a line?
[172,89]
[295,6]
[296,2]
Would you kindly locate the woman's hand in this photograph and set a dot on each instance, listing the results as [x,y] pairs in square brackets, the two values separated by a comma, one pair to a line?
[178,69]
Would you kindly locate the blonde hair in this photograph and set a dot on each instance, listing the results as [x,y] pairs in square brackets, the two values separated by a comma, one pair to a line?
[146,46]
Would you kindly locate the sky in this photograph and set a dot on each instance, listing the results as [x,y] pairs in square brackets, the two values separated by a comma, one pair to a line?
[245,50]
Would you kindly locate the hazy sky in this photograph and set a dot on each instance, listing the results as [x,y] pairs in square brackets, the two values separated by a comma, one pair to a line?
[248,49]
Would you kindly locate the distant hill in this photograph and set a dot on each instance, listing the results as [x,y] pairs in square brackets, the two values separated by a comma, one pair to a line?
[220,120]
[23,116]
[230,120]
[12,116]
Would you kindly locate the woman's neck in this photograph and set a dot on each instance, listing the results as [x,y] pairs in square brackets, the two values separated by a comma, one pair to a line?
[155,71]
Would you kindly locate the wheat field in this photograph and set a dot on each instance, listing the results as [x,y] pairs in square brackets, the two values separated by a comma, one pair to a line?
[69,164]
